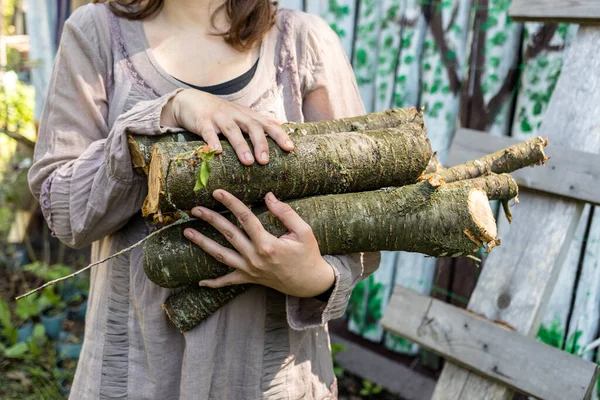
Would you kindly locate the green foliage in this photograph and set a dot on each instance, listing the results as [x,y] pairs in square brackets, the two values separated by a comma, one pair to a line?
[370,389]
[336,349]
[27,308]
[204,155]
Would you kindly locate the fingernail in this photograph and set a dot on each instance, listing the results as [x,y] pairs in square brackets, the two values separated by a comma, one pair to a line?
[271,197]
[202,284]
[218,195]
[248,156]
[264,156]
[189,233]
[197,212]
[289,143]
[215,146]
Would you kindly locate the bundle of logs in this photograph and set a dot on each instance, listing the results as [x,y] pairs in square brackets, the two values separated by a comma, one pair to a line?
[363,184]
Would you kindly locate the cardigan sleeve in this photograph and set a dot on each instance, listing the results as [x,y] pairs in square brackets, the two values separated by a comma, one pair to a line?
[329,91]
[82,171]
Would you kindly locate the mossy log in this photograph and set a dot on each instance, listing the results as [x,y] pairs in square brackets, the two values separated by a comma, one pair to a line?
[446,220]
[323,164]
[428,217]
[140,146]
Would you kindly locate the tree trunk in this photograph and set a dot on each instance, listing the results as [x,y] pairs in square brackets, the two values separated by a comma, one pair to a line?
[429,217]
[140,146]
[323,164]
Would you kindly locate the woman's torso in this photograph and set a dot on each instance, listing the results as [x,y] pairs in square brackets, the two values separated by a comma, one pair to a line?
[247,349]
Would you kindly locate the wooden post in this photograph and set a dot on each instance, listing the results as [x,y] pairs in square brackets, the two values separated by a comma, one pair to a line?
[519,275]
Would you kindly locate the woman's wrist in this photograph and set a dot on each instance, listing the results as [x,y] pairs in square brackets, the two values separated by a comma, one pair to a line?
[167,116]
[327,279]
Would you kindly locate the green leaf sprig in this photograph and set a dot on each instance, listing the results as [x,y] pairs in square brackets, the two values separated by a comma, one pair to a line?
[204,154]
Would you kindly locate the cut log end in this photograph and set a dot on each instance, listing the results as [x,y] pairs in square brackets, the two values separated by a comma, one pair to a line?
[152,201]
[483,216]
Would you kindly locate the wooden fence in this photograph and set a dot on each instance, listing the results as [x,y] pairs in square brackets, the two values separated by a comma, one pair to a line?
[470,66]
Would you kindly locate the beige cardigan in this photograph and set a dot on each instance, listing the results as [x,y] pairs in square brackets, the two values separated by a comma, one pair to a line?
[264,344]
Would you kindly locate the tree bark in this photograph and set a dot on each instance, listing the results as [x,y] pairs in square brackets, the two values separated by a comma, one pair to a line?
[323,164]
[453,219]
[140,146]
[194,304]
[519,156]
[429,217]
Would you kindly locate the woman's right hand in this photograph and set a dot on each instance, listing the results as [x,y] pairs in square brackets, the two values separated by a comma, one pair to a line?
[207,115]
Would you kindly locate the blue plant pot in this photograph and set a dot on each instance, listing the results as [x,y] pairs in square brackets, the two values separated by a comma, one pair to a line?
[53,325]
[64,386]
[68,350]
[25,332]
[77,313]
[69,290]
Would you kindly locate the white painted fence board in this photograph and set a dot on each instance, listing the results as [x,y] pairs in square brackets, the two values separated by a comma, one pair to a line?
[489,349]
[578,11]
[339,14]
[389,42]
[366,50]
[519,275]
[583,326]
[440,91]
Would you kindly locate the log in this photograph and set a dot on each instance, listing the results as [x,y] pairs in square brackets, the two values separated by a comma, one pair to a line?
[449,219]
[521,155]
[429,218]
[140,146]
[189,316]
[323,164]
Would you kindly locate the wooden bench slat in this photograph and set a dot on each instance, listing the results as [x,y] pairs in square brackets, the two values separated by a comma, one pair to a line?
[573,11]
[569,173]
[489,349]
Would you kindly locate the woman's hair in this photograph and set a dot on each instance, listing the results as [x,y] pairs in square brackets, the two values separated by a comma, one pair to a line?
[250,19]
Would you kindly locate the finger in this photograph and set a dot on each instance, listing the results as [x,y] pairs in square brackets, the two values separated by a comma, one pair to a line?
[234,135]
[257,136]
[222,254]
[272,128]
[232,233]
[209,135]
[288,216]
[233,278]
[248,221]
[276,132]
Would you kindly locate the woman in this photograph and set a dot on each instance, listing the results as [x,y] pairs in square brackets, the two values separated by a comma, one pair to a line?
[149,67]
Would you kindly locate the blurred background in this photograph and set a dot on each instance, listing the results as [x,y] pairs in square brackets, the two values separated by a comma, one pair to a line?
[464,61]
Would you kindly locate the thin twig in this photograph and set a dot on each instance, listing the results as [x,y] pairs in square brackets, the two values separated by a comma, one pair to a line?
[179,222]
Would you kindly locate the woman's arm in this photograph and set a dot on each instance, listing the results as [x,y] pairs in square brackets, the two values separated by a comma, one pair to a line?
[82,170]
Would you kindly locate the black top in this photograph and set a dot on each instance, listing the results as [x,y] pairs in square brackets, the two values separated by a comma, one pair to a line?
[229,87]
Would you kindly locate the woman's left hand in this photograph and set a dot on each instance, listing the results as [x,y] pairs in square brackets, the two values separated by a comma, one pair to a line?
[291,264]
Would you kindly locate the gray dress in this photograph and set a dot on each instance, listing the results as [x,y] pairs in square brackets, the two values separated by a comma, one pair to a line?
[263,344]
